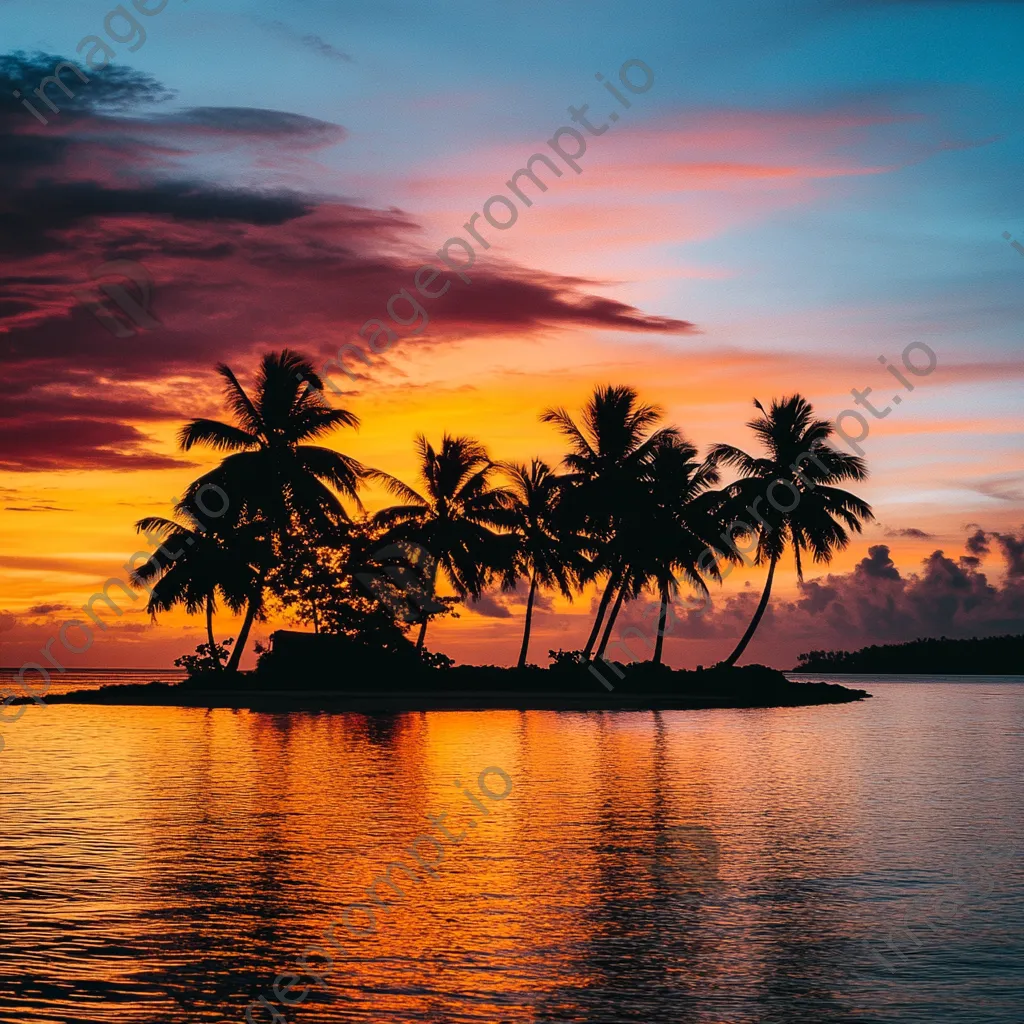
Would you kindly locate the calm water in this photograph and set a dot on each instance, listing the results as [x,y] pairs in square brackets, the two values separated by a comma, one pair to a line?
[88,679]
[721,867]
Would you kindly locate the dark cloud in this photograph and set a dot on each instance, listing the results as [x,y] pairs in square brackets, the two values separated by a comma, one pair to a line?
[1010,545]
[324,48]
[977,543]
[68,442]
[255,122]
[112,89]
[313,42]
[35,508]
[875,603]
[909,531]
[878,565]
[490,607]
[76,565]
[235,270]
[1012,548]
[499,604]
[42,213]
[47,609]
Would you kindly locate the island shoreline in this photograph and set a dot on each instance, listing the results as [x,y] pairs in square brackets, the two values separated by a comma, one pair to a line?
[182,695]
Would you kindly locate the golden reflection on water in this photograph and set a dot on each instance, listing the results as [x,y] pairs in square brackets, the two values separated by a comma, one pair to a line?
[167,865]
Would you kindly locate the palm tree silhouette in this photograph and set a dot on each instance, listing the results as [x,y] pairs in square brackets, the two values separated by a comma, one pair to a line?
[203,563]
[548,552]
[271,474]
[455,517]
[607,462]
[678,521]
[798,457]
[272,483]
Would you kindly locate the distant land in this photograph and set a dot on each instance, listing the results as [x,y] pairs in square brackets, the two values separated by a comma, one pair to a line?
[988,656]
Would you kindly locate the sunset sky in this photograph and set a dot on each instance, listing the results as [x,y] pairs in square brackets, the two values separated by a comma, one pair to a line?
[808,185]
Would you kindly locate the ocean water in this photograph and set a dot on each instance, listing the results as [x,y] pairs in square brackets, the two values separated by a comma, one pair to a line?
[857,863]
[86,679]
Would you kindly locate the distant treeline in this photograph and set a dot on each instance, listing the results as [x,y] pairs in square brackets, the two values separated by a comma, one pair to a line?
[990,655]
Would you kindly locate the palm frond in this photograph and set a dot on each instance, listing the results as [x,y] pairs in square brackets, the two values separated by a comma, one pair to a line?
[216,435]
[240,403]
[396,487]
[310,424]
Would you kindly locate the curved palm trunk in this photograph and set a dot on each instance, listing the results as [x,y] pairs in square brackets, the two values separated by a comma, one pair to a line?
[243,634]
[611,619]
[659,640]
[755,621]
[529,617]
[209,628]
[613,582]
[423,632]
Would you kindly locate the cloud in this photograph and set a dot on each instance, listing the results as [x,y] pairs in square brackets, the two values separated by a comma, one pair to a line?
[977,543]
[246,122]
[877,565]
[235,270]
[909,531]
[1013,551]
[114,88]
[499,604]
[874,603]
[490,607]
[34,508]
[52,207]
[312,42]
[68,442]
[88,567]
[1005,487]
[1010,545]
[47,609]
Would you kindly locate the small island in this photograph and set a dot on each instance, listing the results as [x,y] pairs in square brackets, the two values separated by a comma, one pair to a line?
[324,672]
[277,530]
[988,656]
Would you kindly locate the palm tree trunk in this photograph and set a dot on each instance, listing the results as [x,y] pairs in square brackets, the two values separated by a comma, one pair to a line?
[754,622]
[316,619]
[209,629]
[243,634]
[611,619]
[529,616]
[613,581]
[659,640]
[423,632]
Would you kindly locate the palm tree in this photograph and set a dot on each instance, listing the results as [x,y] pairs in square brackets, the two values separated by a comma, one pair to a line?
[548,553]
[812,515]
[203,563]
[455,517]
[679,520]
[607,460]
[272,482]
[271,475]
